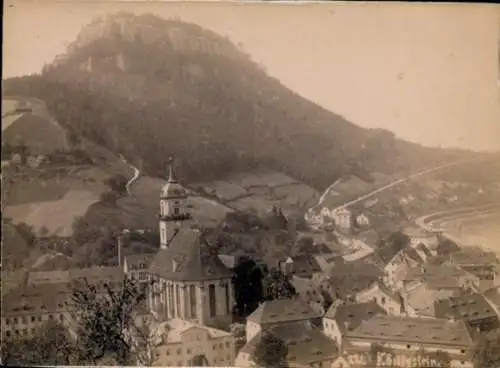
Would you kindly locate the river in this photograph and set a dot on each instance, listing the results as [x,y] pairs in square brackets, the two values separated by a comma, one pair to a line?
[481,230]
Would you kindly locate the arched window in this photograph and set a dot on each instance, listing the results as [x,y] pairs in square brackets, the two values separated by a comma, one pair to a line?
[177,300]
[211,299]
[192,300]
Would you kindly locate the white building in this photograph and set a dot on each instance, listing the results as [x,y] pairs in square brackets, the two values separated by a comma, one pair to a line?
[343,218]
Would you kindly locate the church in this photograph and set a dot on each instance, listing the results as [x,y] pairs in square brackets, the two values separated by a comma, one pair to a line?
[190,281]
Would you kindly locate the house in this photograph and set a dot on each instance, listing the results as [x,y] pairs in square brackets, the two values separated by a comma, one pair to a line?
[93,275]
[473,309]
[182,343]
[362,220]
[441,277]
[136,266]
[307,347]
[303,265]
[408,342]
[476,261]
[397,268]
[420,298]
[419,235]
[26,309]
[391,302]
[343,218]
[274,312]
[345,317]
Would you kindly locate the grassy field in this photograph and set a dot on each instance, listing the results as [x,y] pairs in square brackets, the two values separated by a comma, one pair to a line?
[55,216]
[258,190]
[141,209]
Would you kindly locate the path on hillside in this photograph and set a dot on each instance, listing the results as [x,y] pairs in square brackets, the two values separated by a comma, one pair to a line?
[394,183]
[134,177]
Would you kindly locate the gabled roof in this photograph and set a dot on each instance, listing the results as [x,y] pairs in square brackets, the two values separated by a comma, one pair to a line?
[283,310]
[425,331]
[306,343]
[465,307]
[350,316]
[188,258]
[474,256]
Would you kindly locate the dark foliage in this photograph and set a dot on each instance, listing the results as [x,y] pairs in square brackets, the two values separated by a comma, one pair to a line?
[277,286]
[103,318]
[247,282]
[270,352]
[51,345]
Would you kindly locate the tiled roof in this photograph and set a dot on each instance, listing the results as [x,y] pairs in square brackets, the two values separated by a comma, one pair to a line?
[425,331]
[306,344]
[176,327]
[465,307]
[92,274]
[283,310]
[353,314]
[474,256]
[39,299]
[422,298]
[188,258]
[305,265]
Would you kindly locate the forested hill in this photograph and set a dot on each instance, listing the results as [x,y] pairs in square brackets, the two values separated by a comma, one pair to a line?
[151,88]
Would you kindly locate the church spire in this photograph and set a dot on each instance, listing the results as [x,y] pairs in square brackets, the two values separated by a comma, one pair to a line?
[172,177]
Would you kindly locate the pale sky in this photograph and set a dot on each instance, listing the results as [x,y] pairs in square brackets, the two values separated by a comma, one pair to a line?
[427,72]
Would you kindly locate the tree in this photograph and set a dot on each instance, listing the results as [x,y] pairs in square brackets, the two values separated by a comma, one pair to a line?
[247,282]
[143,341]
[117,183]
[487,351]
[103,317]
[277,286]
[270,351]
[51,345]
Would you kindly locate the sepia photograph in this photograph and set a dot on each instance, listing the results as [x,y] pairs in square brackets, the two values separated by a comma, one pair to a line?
[250,184]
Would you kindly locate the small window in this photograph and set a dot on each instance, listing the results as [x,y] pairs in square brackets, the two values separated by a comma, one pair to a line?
[51,317]
[227,344]
[32,318]
[408,346]
[7,321]
[462,351]
[168,352]
[7,333]
[176,210]
[39,318]
[179,351]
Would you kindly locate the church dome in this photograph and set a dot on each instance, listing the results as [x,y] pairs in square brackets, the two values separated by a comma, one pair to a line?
[173,188]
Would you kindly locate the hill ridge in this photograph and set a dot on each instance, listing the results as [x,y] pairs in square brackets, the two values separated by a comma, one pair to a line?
[216,112]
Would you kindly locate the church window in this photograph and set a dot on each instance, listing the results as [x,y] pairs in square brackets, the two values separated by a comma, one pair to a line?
[192,300]
[211,297]
[177,300]
[228,307]
[171,299]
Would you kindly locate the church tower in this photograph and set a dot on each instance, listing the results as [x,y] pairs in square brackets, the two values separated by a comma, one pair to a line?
[173,207]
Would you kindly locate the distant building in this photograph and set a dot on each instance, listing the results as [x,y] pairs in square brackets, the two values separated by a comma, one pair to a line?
[473,309]
[343,218]
[181,343]
[304,265]
[408,342]
[391,302]
[276,312]
[340,319]
[307,347]
[362,220]
[136,266]
[476,261]
[419,236]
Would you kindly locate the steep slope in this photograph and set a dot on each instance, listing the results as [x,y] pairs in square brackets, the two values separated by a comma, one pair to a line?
[151,88]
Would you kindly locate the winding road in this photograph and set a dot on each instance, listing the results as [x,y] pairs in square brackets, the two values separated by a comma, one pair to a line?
[134,177]
[392,184]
